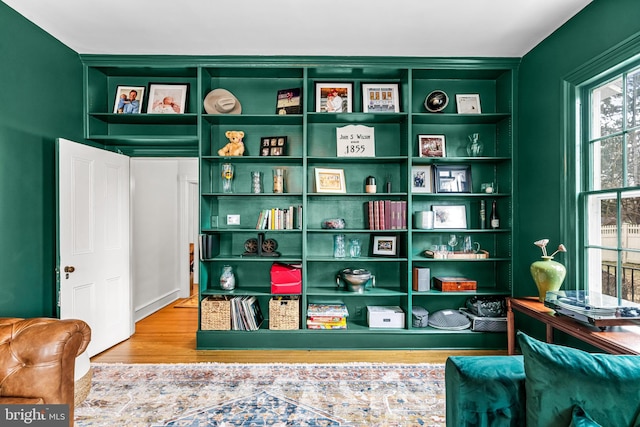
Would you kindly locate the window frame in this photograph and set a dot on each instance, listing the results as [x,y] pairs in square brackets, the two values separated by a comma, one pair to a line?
[584,152]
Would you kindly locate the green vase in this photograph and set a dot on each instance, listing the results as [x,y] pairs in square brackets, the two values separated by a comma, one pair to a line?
[548,275]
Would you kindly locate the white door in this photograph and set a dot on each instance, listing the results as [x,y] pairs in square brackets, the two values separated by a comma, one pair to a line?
[93,242]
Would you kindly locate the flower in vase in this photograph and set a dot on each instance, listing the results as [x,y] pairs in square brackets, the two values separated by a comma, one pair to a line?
[542,244]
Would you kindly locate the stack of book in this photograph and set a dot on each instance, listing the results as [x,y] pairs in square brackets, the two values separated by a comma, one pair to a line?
[386,214]
[327,316]
[280,219]
[245,314]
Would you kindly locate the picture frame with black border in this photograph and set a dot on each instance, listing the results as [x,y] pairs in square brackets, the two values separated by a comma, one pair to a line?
[431,146]
[421,179]
[273,146]
[123,103]
[468,103]
[167,98]
[452,178]
[384,246]
[334,97]
[330,180]
[380,98]
[449,216]
[289,101]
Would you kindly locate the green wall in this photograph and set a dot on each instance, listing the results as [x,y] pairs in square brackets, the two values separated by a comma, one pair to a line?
[541,172]
[41,99]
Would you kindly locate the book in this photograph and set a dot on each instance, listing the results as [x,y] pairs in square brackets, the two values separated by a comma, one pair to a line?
[340,324]
[327,309]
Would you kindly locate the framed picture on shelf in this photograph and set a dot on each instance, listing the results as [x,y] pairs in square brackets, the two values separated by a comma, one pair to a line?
[330,180]
[334,97]
[289,101]
[449,216]
[380,98]
[421,179]
[468,103]
[167,98]
[384,246]
[128,100]
[452,179]
[431,146]
[273,145]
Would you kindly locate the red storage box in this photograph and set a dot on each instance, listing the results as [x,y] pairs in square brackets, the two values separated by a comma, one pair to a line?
[286,278]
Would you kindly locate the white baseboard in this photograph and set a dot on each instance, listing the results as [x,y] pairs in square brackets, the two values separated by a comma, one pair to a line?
[151,307]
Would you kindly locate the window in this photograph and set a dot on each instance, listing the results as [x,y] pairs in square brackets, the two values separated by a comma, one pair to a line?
[610,185]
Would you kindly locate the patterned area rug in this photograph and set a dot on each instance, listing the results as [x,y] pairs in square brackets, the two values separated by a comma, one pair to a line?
[216,394]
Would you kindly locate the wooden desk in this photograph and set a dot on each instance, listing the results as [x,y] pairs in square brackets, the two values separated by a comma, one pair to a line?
[614,340]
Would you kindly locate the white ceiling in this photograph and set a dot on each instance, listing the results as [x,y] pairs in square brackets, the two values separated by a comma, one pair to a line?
[428,28]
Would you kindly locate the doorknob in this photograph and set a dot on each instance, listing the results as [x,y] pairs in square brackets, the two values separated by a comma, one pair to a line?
[68,269]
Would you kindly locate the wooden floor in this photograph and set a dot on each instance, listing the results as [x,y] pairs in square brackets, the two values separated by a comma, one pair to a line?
[169,336]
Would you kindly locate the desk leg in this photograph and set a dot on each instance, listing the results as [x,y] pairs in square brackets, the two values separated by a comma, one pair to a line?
[511,330]
[550,334]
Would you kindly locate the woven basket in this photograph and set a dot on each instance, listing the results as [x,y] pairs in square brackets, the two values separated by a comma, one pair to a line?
[215,314]
[284,314]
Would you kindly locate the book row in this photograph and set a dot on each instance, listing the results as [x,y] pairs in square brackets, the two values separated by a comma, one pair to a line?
[387,214]
[280,219]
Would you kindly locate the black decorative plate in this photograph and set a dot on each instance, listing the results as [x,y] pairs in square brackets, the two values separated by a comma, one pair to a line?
[436,101]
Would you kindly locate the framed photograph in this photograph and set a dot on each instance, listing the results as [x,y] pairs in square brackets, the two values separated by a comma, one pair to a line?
[380,98]
[273,145]
[468,103]
[334,97]
[431,146]
[128,100]
[330,180]
[167,98]
[452,179]
[384,246]
[289,101]
[421,179]
[449,216]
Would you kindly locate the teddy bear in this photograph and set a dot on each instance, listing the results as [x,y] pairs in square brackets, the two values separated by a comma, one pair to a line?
[235,146]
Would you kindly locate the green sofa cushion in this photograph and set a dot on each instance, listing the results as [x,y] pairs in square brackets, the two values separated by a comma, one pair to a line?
[485,391]
[605,386]
[581,419]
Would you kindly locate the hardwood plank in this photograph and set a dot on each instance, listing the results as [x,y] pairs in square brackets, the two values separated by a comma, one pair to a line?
[169,336]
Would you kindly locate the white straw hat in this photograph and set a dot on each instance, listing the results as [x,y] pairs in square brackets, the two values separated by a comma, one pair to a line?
[221,101]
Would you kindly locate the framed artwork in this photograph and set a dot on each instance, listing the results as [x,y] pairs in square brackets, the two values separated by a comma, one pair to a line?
[421,179]
[431,146]
[167,98]
[468,103]
[380,98]
[330,180]
[128,100]
[384,246]
[289,101]
[452,179]
[273,145]
[334,97]
[449,216]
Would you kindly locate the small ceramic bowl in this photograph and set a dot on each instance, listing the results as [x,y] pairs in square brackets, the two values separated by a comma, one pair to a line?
[333,223]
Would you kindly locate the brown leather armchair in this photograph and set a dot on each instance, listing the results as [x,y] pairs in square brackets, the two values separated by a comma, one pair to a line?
[37,360]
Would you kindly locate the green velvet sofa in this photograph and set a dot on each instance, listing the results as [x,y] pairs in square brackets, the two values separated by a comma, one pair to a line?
[547,386]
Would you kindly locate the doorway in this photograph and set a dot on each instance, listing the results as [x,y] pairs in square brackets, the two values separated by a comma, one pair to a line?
[164,211]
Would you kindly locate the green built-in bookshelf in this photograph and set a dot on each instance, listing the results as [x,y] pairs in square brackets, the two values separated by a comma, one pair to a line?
[311,144]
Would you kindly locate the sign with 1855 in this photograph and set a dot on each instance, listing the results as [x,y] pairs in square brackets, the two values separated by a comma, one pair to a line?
[355,141]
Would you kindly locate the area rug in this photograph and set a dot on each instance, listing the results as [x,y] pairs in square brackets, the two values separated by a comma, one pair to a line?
[218,394]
